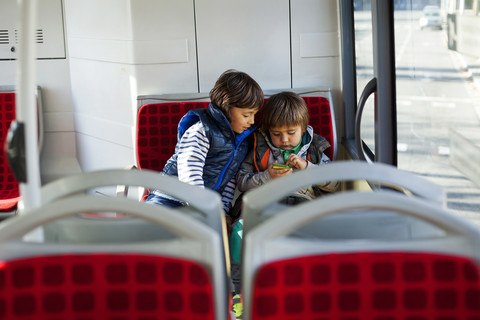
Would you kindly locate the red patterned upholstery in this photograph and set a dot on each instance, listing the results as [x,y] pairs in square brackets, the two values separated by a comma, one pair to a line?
[104,286]
[321,120]
[369,286]
[157,131]
[9,188]
[157,128]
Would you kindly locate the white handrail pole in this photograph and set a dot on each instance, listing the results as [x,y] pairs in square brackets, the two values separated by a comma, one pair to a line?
[26,110]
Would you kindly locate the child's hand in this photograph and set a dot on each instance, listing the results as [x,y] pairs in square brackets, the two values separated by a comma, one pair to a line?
[296,161]
[277,173]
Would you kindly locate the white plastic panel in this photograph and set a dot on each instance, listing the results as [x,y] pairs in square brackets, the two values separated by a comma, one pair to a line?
[102,154]
[119,49]
[49,35]
[59,157]
[106,19]
[136,32]
[249,35]
[312,45]
[315,44]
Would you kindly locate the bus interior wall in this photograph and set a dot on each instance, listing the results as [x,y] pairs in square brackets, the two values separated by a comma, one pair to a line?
[91,85]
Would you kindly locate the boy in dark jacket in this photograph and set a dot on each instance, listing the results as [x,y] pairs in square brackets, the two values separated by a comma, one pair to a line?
[285,138]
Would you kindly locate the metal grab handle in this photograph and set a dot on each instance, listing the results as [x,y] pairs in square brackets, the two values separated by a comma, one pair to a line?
[15,150]
[370,88]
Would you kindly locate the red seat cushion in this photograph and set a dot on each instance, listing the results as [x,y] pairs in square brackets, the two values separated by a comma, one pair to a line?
[368,286]
[157,131]
[104,286]
[9,188]
[321,120]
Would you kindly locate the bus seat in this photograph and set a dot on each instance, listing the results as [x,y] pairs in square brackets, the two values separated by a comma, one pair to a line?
[9,186]
[290,277]
[158,117]
[203,204]
[183,278]
[262,203]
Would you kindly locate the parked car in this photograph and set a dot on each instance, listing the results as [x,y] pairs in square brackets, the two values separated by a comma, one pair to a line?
[431,18]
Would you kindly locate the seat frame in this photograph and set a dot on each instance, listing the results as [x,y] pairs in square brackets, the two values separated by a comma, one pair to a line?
[258,201]
[203,204]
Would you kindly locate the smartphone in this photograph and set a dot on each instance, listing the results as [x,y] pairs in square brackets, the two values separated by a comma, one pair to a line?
[280,166]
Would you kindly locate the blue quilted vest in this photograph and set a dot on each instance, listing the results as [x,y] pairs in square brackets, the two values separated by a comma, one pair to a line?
[227,149]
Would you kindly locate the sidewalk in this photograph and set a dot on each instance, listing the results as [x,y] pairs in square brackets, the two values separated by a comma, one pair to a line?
[465,142]
[472,66]
[474,70]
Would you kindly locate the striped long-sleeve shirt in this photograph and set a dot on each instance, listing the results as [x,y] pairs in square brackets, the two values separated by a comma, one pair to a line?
[192,152]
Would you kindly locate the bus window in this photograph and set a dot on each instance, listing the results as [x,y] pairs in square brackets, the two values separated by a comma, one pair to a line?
[437,96]
[437,105]
[365,69]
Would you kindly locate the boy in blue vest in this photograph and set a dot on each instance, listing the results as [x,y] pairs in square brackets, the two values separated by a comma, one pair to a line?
[212,142]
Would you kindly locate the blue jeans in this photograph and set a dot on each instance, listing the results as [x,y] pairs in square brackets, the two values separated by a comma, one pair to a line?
[159,198]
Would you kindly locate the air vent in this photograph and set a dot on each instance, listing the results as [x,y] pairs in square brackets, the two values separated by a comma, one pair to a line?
[38,36]
[4,37]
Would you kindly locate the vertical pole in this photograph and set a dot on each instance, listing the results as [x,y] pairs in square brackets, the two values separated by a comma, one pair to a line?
[26,111]
[348,67]
[384,64]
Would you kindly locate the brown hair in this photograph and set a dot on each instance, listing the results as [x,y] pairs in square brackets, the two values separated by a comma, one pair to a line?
[236,89]
[285,109]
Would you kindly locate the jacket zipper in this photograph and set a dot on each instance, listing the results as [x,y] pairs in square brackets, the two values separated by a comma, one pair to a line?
[233,155]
